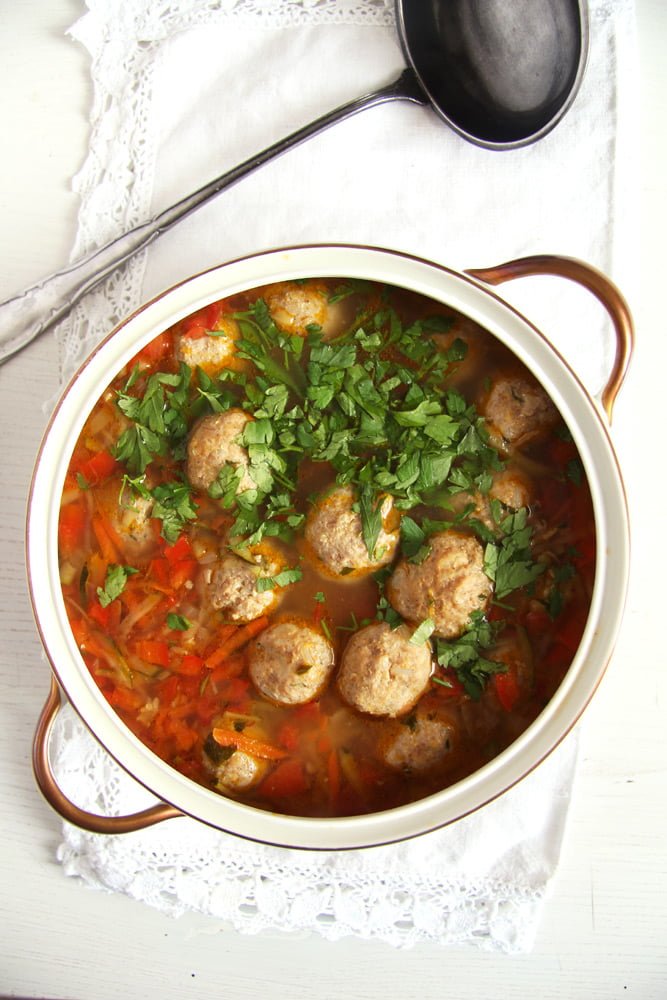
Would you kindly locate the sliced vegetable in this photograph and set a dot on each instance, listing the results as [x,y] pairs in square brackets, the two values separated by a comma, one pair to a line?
[241,635]
[232,738]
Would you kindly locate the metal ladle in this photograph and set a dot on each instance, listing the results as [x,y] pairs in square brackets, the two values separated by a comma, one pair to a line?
[501,73]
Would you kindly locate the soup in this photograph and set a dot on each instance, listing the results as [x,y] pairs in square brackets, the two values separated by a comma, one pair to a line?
[326,547]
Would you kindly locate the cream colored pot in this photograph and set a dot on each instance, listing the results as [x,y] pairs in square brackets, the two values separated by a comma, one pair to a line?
[587,417]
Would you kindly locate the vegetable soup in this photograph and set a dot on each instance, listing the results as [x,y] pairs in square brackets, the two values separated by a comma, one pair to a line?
[326,547]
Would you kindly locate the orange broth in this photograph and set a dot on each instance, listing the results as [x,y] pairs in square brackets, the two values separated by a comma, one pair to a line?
[174,669]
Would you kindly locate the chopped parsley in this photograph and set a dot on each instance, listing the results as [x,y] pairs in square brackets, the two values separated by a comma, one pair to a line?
[282,579]
[371,404]
[508,561]
[423,632]
[465,655]
[158,418]
[114,583]
[172,504]
[178,622]
[174,507]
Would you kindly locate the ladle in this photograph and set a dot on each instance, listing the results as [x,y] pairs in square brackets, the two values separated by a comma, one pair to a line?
[501,73]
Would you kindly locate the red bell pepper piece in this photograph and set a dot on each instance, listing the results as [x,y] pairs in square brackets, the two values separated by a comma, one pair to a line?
[99,467]
[154,351]
[507,688]
[288,779]
[189,666]
[152,651]
[72,526]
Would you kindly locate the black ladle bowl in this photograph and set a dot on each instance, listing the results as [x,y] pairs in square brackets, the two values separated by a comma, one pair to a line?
[501,73]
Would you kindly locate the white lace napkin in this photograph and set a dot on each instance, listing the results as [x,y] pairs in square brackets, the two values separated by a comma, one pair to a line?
[185,89]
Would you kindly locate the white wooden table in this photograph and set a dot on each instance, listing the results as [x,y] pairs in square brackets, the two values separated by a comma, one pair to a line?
[604,932]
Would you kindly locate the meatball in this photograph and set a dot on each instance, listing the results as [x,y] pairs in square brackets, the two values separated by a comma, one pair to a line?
[517,408]
[334,536]
[290,662]
[447,586]
[476,347]
[512,488]
[231,584]
[419,743]
[382,672]
[213,442]
[234,770]
[240,772]
[296,306]
[130,517]
[210,351]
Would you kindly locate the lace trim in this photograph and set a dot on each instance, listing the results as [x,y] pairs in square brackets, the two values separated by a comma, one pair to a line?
[182,866]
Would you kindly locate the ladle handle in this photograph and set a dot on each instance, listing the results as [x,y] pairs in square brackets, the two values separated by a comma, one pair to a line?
[596,282]
[37,309]
[58,800]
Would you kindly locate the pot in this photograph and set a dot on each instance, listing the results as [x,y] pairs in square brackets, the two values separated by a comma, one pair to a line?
[588,418]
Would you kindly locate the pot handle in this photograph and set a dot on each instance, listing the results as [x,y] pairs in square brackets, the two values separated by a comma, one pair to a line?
[597,283]
[58,800]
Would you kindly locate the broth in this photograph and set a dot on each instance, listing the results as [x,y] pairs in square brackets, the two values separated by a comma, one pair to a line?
[326,547]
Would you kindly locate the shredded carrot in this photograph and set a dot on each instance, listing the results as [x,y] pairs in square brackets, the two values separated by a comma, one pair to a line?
[219,653]
[231,667]
[238,639]
[230,738]
[104,533]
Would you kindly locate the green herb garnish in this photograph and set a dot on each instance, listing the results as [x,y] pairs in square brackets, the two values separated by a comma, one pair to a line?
[114,583]
[178,622]
[282,579]
[174,507]
[423,632]
[508,562]
[465,655]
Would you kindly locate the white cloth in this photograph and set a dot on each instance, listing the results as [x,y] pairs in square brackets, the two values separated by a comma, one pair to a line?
[185,90]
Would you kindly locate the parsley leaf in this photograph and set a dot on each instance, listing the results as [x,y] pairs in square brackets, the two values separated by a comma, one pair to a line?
[423,632]
[370,511]
[158,418]
[114,583]
[174,507]
[178,622]
[464,655]
[282,579]
[509,563]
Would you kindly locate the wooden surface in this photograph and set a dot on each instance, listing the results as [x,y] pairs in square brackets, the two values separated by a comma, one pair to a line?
[604,931]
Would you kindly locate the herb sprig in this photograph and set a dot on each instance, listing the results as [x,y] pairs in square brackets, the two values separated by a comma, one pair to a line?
[465,655]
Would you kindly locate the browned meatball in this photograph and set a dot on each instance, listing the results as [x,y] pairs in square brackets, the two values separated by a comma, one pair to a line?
[214,441]
[446,587]
[239,772]
[475,345]
[211,351]
[230,584]
[131,517]
[335,541]
[295,306]
[420,743]
[512,488]
[382,672]
[517,408]
[291,662]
